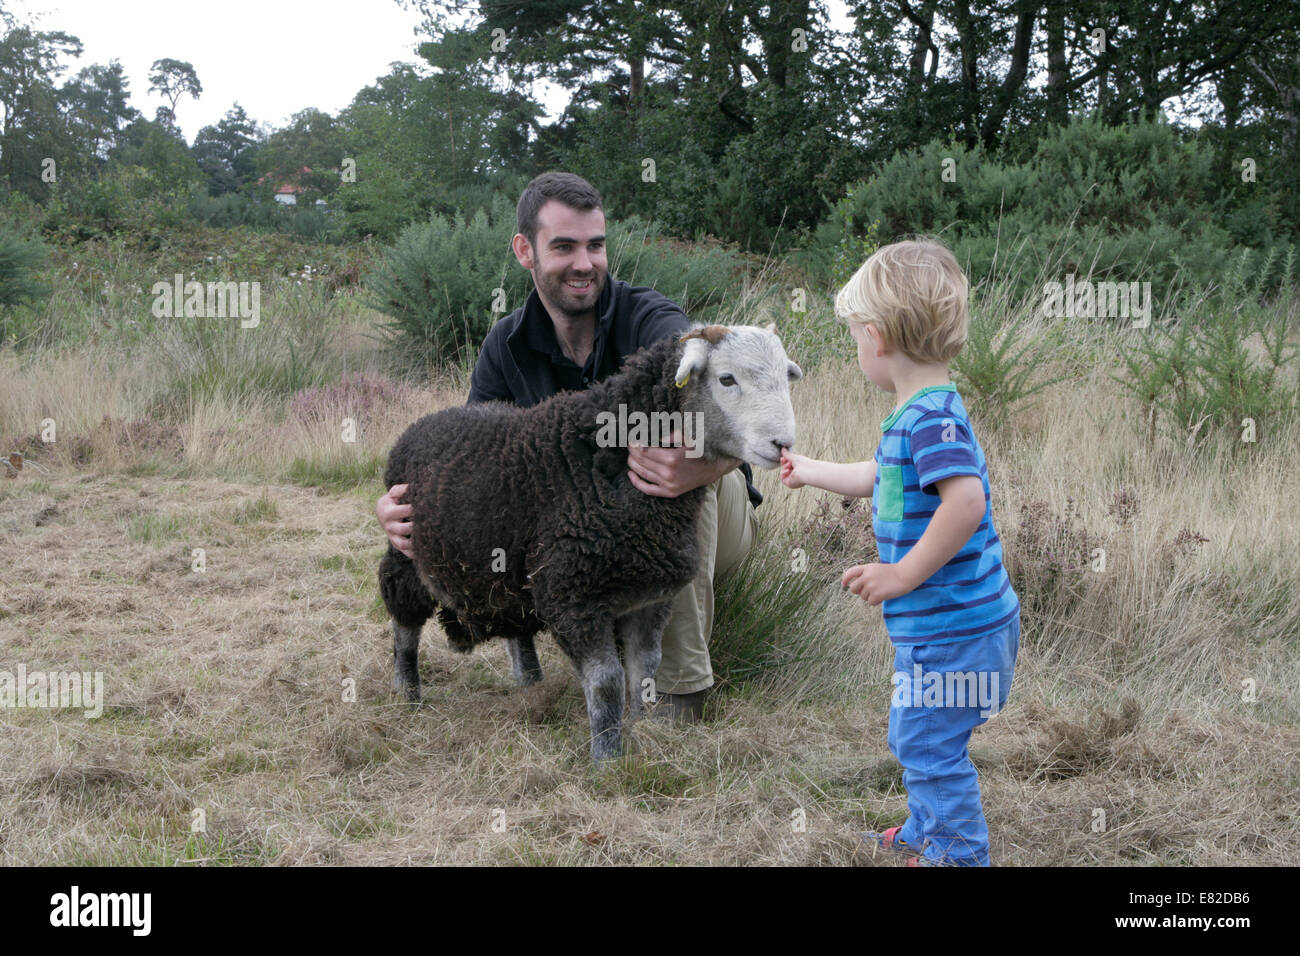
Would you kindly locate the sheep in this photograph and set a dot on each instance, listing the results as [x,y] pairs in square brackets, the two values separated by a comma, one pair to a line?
[523,519]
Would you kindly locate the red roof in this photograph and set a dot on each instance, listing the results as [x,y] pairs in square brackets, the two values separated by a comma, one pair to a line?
[284,188]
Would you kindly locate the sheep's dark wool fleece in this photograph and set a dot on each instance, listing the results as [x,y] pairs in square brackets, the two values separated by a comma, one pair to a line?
[521,522]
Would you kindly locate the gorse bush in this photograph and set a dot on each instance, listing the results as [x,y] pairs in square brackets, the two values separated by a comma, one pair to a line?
[306,222]
[20,261]
[1223,363]
[445,281]
[1118,201]
[1001,366]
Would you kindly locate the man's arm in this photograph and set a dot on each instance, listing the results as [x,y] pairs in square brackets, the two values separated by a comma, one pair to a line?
[487,383]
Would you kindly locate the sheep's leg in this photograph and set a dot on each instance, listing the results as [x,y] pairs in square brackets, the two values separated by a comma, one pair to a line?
[409,605]
[523,659]
[602,684]
[640,633]
[406,657]
[590,645]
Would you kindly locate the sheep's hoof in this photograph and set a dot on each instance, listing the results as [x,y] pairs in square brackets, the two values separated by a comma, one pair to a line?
[411,692]
[606,747]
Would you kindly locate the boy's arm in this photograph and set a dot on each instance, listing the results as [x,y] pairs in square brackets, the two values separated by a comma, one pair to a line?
[960,512]
[855,479]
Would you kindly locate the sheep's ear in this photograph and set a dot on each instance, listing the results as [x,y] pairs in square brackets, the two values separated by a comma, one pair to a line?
[695,358]
[770,327]
[796,372]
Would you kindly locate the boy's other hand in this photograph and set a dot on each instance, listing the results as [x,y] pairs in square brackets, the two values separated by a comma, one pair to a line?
[396,519]
[875,583]
[790,463]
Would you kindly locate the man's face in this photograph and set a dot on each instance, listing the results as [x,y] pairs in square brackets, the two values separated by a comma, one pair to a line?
[568,263]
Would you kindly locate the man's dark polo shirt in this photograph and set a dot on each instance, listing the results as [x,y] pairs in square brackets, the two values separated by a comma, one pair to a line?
[521,360]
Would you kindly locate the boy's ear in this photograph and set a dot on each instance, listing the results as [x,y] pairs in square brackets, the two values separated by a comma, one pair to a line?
[883,347]
[877,340]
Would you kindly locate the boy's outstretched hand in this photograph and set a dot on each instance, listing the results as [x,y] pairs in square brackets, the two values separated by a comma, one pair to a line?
[789,465]
[875,582]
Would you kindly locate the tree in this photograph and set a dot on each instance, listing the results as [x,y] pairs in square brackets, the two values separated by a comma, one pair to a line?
[97,107]
[312,141]
[173,79]
[225,152]
[160,151]
[31,128]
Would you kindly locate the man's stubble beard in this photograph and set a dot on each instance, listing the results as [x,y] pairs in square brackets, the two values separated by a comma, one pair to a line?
[558,293]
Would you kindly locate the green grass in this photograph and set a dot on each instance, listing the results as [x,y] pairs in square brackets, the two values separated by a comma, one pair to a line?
[339,475]
[256,510]
[154,529]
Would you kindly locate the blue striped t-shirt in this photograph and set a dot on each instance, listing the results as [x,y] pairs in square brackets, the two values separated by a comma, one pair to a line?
[925,441]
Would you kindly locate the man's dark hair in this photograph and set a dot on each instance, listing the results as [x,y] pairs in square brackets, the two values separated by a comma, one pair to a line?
[573,191]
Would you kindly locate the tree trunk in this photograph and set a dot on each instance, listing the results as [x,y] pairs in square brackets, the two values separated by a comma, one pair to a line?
[636,82]
[1058,107]
[966,39]
[1009,89]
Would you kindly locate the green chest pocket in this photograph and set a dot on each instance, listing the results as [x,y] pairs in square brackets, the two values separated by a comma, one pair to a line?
[890,505]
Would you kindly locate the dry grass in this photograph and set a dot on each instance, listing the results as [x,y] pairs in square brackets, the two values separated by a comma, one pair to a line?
[225,689]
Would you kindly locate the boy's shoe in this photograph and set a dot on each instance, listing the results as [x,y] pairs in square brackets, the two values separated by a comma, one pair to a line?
[889,841]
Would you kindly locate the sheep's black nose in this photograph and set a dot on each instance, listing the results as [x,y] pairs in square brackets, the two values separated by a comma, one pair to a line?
[782,443]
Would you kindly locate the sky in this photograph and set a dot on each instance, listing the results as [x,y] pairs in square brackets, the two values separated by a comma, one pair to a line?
[273,57]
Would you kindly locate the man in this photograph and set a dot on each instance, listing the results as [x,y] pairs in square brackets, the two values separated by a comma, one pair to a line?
[577,327]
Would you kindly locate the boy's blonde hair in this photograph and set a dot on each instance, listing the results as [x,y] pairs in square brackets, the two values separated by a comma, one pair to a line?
[915,294]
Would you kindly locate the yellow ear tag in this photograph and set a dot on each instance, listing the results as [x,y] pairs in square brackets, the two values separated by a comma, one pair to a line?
[682,383]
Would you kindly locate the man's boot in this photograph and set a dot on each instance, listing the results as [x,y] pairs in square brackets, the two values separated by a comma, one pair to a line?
[680,708]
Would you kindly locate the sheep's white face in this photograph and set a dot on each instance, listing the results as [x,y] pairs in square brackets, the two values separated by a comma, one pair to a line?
[741,386]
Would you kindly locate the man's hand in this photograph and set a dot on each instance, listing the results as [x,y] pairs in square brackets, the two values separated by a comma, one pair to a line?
[395,519]
[875,582]
[668,472]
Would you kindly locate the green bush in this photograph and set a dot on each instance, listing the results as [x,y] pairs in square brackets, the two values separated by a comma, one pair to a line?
[308,222]
[1219,367]
[21,259]
[1000,366]
[1119,201]
[703,277]
[439,282]
[124,200]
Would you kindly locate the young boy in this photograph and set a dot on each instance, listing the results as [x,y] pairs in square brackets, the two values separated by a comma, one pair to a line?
[949,607]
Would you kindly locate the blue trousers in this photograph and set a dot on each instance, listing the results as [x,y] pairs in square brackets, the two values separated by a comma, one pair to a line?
[942,693]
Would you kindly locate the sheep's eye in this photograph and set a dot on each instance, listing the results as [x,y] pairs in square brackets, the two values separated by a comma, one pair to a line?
[727,379]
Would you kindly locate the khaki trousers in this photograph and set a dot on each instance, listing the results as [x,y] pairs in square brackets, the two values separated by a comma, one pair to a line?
[728,525]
